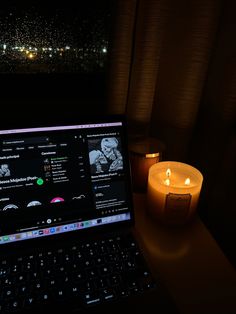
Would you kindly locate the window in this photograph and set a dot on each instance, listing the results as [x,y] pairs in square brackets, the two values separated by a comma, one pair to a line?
[52,37]
[53,58]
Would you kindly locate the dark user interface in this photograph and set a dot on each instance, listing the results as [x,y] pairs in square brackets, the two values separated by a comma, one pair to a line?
[55,177]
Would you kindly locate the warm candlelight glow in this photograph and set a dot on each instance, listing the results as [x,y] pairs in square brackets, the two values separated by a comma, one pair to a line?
[31,56]
[168,173]
[173,195]
[187,181]
[167,182]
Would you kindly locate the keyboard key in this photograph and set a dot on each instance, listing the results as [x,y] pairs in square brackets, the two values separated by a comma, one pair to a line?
[91,298]
[108,294]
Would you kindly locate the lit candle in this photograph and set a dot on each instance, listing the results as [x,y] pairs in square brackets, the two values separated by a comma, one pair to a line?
[173,191]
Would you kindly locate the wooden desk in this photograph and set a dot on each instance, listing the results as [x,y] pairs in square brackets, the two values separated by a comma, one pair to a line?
[191,264]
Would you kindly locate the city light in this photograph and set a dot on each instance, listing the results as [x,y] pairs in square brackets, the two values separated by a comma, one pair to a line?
[18,52]
[31,56]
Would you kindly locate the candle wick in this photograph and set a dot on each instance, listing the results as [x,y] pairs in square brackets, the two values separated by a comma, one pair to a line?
[168,172]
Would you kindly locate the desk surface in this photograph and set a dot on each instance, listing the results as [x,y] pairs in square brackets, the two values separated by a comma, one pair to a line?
[190,262]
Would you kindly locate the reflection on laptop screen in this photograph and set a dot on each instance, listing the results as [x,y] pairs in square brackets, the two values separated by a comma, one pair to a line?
[61,179]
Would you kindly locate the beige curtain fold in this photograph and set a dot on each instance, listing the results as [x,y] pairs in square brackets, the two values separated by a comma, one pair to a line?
[120,56]
[187,44]
[188,40]
[163,60]
[159,61]
[215,142]
[145,65]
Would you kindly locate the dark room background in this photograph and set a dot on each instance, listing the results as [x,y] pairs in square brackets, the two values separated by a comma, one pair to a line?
[169,66]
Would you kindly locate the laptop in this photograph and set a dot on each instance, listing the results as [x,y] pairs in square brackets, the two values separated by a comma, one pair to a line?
[66,222]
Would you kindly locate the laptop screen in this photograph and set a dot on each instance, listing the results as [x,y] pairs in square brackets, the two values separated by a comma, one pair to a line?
[62,179]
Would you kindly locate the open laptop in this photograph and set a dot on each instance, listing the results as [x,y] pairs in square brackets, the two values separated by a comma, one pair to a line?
[66,220]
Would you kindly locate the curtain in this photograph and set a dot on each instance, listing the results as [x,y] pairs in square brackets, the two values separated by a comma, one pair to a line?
[173,73]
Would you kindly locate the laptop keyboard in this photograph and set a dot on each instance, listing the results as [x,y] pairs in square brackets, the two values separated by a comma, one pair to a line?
[80,275]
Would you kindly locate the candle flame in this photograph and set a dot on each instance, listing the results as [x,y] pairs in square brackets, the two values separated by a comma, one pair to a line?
[187,181]
[168,172]
[167,182]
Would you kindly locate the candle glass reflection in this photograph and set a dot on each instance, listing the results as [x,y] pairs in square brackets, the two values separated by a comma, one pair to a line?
[144,152]
[173,191]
